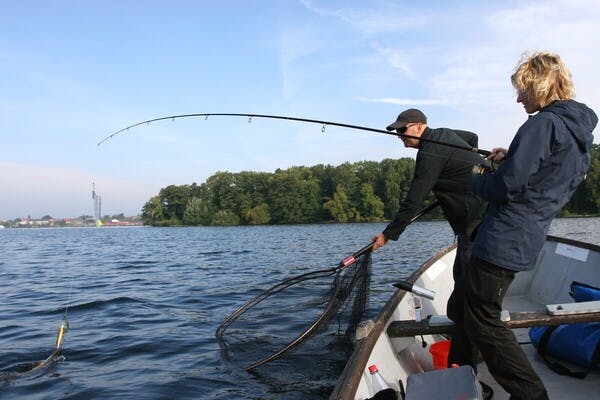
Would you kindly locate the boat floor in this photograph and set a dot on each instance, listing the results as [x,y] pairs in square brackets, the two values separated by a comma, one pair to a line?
[558,386]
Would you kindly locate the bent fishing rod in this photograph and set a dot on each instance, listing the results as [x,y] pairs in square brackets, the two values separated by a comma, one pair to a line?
[323,123]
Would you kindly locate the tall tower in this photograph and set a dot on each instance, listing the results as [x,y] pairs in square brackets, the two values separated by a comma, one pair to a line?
[97,199]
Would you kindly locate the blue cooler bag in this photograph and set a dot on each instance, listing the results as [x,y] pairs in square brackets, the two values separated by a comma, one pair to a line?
[574,343]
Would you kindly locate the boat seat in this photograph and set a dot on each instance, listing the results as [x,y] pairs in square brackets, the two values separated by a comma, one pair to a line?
[520,319]
[574,308]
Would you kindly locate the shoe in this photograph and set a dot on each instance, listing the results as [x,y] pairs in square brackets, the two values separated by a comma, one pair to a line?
[487,391]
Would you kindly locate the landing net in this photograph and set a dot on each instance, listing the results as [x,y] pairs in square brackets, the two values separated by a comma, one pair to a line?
[325,306]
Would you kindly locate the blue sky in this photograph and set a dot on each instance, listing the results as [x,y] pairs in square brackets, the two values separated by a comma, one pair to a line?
[72,72]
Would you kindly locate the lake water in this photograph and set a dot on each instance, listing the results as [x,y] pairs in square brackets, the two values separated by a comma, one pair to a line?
[144,303]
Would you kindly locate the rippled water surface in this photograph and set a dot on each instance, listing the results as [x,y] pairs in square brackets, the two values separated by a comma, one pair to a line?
[144,303]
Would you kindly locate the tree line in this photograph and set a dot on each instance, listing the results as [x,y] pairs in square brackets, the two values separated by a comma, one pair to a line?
[365,191]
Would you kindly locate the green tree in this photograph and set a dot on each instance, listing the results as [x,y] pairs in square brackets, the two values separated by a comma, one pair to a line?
[225,218]
[174,199]
[396,177]
[325,175]
[370,206]
[222,191]
[294,196]
[339,207]
[350,192]
[368,172]
[153,211]
[252,190]
[345,175]
[197,212]
[258,215]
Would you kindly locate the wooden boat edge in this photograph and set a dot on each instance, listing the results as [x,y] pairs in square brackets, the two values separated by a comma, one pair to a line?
[350,377]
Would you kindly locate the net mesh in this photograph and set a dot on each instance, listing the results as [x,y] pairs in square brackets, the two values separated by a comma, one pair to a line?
[325,306]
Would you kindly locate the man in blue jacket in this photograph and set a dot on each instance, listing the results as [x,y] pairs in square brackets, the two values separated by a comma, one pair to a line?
[546,161]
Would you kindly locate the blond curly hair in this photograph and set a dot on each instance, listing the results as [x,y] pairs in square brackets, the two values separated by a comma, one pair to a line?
[544,77]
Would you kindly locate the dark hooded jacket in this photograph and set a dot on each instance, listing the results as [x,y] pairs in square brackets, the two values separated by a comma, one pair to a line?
[446,171]
[546,161]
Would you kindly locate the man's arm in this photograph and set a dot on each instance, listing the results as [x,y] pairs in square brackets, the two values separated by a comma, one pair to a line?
[471,138]
[428,167]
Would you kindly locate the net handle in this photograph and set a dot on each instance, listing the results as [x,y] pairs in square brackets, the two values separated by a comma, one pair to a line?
[348,261]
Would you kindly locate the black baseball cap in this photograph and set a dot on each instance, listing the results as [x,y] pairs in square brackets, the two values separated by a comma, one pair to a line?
[410,116]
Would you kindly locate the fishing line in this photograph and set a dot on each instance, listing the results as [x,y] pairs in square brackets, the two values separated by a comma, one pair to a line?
[323,124]
[64,326]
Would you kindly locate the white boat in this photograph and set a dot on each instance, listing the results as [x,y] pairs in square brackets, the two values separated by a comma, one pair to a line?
[398,353]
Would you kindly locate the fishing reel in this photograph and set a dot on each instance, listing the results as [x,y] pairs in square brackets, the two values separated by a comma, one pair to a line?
[485,168]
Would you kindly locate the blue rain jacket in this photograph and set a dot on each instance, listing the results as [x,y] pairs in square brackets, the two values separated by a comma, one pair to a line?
[546,161]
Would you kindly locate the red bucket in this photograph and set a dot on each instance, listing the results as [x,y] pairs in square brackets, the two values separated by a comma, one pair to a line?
[439,351]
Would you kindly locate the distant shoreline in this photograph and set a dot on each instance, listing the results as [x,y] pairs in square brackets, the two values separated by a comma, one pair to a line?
[140,224]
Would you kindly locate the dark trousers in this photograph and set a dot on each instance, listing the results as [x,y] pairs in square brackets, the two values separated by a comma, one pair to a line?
[461,350]
[485,287]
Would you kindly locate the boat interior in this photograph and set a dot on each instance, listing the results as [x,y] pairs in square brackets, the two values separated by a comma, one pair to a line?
[558,265]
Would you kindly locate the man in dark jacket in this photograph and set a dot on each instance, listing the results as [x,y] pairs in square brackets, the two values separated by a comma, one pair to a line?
[546,161]
[446,171]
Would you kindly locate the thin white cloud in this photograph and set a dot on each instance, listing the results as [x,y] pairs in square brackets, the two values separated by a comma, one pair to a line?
[397,59]
[547,18]
[376,18]
[476,73]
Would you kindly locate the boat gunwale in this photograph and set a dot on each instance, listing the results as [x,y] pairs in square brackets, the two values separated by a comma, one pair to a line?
[350,377]
[349,380]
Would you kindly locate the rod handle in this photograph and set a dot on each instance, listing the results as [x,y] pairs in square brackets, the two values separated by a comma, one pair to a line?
[348,261]
[409,287]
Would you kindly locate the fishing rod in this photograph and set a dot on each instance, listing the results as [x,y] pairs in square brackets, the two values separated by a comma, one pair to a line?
[323,123]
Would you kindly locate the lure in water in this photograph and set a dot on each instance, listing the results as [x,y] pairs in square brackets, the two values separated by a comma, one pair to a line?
[29,368]
[64,328]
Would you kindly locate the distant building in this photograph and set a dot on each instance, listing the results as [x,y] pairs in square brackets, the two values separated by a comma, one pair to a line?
[97,199]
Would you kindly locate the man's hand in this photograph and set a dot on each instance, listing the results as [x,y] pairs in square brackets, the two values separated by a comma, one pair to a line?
[379,241]
[497,154]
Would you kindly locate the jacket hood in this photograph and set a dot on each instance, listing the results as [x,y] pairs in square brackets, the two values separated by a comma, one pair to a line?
[579,119]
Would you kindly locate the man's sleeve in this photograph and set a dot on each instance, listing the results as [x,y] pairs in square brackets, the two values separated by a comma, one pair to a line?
[471,138]
[428,167]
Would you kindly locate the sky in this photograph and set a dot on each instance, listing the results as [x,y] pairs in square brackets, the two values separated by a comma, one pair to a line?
[73,72]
